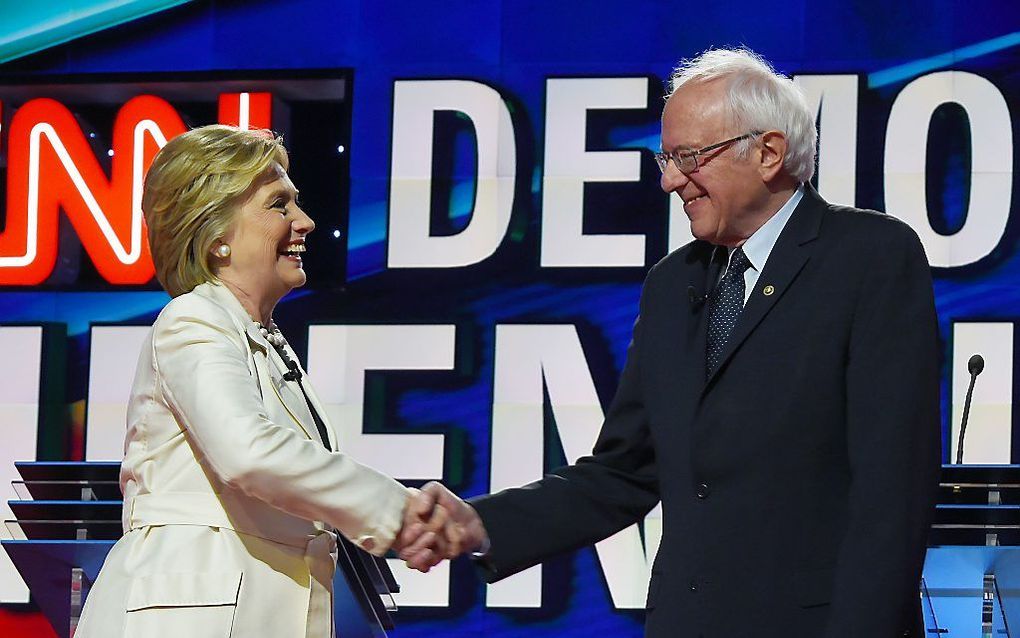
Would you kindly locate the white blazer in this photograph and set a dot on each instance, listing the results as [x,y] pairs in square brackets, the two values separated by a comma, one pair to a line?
[229,494]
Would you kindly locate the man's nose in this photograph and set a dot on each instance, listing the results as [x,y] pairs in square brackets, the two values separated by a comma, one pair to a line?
[673,179]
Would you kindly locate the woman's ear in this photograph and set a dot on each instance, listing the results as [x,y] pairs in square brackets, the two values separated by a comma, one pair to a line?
[221,250]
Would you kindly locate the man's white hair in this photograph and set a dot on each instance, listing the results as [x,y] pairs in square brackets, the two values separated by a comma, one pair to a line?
[760,99]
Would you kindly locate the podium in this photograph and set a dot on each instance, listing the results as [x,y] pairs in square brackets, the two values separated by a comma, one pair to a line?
[68,516]
[972,569]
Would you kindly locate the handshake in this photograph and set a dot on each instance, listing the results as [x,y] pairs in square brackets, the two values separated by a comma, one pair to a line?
[438,525]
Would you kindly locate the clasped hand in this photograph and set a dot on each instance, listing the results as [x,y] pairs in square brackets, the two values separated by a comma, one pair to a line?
[437,525]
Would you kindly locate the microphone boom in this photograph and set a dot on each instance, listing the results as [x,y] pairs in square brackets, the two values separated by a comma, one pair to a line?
[975,366]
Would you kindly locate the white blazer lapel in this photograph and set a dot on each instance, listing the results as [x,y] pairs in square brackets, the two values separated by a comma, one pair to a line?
[255,337]
[290,395]
[268,364]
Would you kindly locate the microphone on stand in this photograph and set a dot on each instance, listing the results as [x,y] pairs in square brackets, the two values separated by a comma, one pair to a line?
[975,365]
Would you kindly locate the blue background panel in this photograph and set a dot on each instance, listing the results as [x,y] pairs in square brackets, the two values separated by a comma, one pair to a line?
[516,46]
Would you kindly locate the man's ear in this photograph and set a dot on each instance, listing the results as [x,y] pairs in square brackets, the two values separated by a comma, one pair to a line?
[771,154]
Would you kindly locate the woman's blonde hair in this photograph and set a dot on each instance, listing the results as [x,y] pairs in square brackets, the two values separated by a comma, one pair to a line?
[192,193]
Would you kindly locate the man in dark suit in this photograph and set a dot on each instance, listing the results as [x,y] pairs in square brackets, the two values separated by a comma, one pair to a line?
[780,395]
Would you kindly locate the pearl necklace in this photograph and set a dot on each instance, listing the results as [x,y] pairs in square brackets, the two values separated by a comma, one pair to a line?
[273,335]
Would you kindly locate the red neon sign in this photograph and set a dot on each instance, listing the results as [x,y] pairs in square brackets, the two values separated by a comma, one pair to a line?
[51,167]
[246,110]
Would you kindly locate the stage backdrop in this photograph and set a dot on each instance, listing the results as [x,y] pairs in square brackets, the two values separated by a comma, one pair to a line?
[487,206]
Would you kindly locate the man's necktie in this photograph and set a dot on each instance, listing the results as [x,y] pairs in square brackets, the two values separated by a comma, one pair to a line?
[726,302]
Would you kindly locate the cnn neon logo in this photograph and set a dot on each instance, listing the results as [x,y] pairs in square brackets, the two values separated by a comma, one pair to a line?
[51,168]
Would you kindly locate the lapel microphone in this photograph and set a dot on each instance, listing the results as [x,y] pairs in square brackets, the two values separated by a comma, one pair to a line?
[294,374]
[715,266]
[696,299]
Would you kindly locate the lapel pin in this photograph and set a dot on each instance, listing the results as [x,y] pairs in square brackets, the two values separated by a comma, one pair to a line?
[768,290]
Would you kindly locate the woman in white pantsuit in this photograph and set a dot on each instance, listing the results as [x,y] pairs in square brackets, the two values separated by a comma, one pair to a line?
[233,480]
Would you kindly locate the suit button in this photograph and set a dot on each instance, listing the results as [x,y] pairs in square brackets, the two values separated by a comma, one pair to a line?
[693,586]
[702,491]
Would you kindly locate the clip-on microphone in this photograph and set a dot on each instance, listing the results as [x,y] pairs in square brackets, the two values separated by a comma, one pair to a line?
[696,300]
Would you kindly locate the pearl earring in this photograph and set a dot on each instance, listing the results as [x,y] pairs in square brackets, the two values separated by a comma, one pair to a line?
[223,251]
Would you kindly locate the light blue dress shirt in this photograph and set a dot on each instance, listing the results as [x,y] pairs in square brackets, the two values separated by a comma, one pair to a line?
[759,246]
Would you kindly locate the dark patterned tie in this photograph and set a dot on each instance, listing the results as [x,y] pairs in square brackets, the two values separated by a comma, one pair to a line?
[725,305]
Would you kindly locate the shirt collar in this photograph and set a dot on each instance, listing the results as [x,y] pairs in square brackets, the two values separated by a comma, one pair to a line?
[759,245]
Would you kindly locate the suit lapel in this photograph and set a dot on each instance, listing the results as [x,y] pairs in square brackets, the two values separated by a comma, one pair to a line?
[702,278]
[788,257]
[274,371]
[255,338]
[290,396]
[268,364]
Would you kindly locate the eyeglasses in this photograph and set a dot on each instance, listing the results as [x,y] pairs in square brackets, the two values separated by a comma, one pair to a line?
[687,161]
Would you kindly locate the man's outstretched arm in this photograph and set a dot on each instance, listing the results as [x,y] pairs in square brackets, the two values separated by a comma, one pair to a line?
[572,506]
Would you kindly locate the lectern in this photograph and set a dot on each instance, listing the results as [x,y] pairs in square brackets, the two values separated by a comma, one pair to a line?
[972,571]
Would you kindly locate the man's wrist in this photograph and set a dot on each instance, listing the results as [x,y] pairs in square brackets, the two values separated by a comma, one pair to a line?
[482,551]
[478,536]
